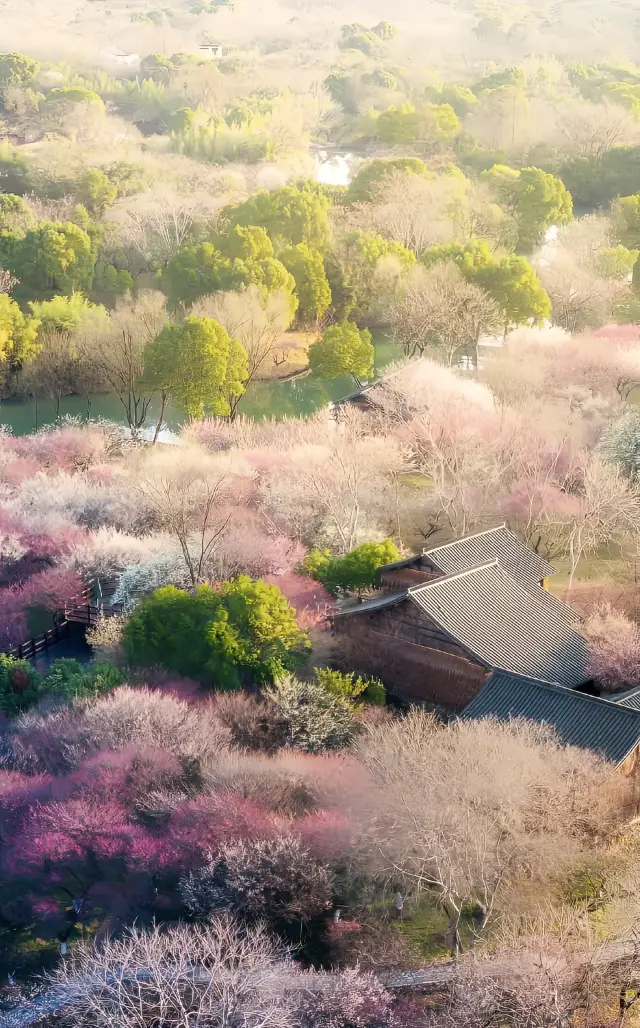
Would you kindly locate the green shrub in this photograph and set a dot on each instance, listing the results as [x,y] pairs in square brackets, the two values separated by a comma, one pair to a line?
[68,679]
[243,632]
[357,571]
[20,685]
[357,691]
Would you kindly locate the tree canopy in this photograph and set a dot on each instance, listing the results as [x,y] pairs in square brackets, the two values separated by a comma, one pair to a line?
[343,350]
[198,365]
[290,215]
[511,281]
[244,632]
[312,285]
[536,198]
[366,185]
[54,258]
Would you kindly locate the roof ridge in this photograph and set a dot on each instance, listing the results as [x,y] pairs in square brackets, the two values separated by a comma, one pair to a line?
[462,574]
[472,535]
[621,696]
[563,689]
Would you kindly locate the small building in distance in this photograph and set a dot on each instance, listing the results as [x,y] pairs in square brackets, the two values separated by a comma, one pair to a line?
[612,730]
[448,617]
[123,58]
[210,51]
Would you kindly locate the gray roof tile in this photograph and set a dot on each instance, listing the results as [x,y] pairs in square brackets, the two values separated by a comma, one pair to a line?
[610,729]
[498,543]
[371,606]
[505,625]
[630,698]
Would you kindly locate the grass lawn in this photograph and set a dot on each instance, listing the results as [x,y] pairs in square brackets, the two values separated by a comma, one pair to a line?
[293,351]
[425,925]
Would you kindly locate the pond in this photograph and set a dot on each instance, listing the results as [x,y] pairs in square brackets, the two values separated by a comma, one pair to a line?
[298,397]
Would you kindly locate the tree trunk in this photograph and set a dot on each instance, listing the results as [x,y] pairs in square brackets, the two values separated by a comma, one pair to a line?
[160,419]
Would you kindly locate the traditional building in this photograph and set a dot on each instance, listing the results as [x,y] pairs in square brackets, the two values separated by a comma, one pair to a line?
[610,729]
[451,615]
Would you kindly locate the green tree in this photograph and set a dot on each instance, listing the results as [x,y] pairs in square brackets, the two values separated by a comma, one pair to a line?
[17,70]
[353,266]
[626,220]
[271,276]
[371,177]
[368,42]
[15,214]
[198,365]
[18,333]
[243,632]
[343,350]
[52,258]
[96,192]
[66,313]
[461,98]
[198,270]
[534,197]
[250,243]
[312,285]
[316,719]
[511,281]
[385,30]
[406,124]
[290,215]
[68,679]
[61,101]
[356,571]
[14,177]
[596,181]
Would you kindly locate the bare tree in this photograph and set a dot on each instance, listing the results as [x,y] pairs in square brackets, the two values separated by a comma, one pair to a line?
[189,495]
[606,510]
[53,371]
[258,321]
[414,211]
[437,311]
[614,648]
[341,493]
[592,129]
[580,297]
[446,817]
[154,226]
[8,282]
[182,976]
[116,355]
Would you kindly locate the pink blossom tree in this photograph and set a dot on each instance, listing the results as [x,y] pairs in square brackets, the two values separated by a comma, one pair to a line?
[614,648]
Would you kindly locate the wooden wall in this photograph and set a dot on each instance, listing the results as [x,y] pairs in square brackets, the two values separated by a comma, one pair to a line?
[404,578]
[413,656]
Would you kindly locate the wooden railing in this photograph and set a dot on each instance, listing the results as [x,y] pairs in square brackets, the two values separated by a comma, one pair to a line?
[81,609]
[34,647]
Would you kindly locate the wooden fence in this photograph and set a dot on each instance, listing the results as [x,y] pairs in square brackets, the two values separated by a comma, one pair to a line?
[32,648]
[80,609]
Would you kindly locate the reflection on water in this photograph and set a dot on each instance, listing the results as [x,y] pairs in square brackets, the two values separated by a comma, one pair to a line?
[296,398]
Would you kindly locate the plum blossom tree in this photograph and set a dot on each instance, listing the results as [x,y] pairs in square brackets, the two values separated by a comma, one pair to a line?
[445,819]
[614,648]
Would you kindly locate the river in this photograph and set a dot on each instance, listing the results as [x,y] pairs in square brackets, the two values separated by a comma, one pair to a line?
[295,397]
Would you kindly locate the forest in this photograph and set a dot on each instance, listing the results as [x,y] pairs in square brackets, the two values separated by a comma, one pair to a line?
[215,220]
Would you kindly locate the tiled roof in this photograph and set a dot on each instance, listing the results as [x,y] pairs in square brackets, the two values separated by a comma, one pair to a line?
[371,606]
[499,543]
[631,698]
[609,729]
[505,625]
